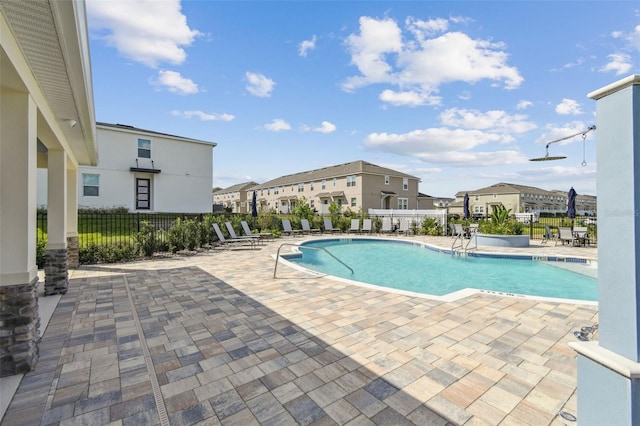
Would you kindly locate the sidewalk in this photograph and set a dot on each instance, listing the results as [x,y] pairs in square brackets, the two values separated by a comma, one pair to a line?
[215,339]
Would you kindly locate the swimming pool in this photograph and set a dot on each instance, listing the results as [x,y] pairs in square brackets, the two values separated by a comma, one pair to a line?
[418,268]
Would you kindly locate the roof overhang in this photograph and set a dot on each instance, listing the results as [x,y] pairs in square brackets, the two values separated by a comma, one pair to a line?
[45,52]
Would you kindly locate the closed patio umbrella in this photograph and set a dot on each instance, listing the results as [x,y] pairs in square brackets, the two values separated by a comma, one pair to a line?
[254,205]
[571,203]
[467,213]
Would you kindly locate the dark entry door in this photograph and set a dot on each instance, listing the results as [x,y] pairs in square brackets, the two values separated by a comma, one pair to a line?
[143,194]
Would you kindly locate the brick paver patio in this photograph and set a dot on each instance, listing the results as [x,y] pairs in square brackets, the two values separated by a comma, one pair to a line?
[215,339]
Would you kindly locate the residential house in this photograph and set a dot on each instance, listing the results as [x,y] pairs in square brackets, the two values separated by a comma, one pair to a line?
[147,171]
[356,186]
[429,202]
[519,199]
[237,198]
[46,120]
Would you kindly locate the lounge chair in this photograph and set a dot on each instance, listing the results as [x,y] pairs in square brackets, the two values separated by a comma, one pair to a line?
[581,233]
[287,229]
[565,235]
[328,226]
[234,236]
[355,226]
[473,228]
[249,233]
[386,226]
[227,241]
[452,230]
[459,230]
[366,225]
[548,235]
[306,228]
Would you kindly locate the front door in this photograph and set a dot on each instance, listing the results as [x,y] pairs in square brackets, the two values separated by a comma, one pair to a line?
[143,194]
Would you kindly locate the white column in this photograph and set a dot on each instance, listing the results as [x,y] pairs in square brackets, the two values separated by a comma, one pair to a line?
[18,147]
[18,270]
[56,268]
[72,203]
[72,219]
[56,200]
[609,369]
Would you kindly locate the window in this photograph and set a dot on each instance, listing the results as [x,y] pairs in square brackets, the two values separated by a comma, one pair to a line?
[143,194]
[405,184]
[144,148]
[324,184]
[351,181]
[301,187]
[90,185]
[335,181]
[476,198]
[386,180]
[276,190]
[403,203]
[311,186]
[353,201]
[312,204]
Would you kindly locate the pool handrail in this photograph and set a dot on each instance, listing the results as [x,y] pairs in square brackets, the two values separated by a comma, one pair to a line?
[275,268]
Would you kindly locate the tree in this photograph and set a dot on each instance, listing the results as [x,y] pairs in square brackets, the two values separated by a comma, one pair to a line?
[302,209]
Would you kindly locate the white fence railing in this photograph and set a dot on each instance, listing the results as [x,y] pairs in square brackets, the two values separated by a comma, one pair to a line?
[417,216]
[527,217]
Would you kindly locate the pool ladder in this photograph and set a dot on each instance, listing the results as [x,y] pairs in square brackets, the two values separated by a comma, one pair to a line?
[462,249]
[275,268]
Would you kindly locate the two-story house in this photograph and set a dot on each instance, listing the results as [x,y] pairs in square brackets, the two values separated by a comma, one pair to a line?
[234,198]
[358,185]
[520,199]
[146,171]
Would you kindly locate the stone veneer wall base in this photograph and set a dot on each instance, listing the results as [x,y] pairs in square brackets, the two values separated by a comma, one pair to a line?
[73,252]
[19,328]
[56,272]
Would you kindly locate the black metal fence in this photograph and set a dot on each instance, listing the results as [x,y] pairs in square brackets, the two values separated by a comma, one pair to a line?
[107,228]
[536,229]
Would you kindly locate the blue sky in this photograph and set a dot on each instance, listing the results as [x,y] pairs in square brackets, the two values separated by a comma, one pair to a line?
[458,93]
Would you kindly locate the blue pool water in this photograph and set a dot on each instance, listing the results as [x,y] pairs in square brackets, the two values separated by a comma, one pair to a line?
[416,268]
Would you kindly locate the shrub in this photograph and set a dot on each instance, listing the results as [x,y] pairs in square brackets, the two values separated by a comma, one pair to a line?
[41,249]
[94,254]
[430,226]
[145,239]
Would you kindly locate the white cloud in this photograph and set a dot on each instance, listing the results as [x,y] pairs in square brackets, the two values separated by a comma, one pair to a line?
[568,107]
[325,127]
[305,46]
[204,116]
[428,141]
[174,82]
[368,50]
[259,85]
[419,61]
[422,30]
[619,63]
[524,104]
[277,125]
[634,38]
[408,98]
[495,121]
[146,31]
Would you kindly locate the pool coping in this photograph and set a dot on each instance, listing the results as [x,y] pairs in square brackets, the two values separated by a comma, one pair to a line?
[449,297]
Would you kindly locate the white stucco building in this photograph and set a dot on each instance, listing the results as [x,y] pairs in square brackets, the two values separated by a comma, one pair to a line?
[145,171]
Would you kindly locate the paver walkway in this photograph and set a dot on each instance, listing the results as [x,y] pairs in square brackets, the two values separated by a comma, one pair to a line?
[214,339]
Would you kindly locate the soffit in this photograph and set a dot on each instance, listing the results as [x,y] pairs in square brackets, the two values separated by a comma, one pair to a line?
[44,46]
